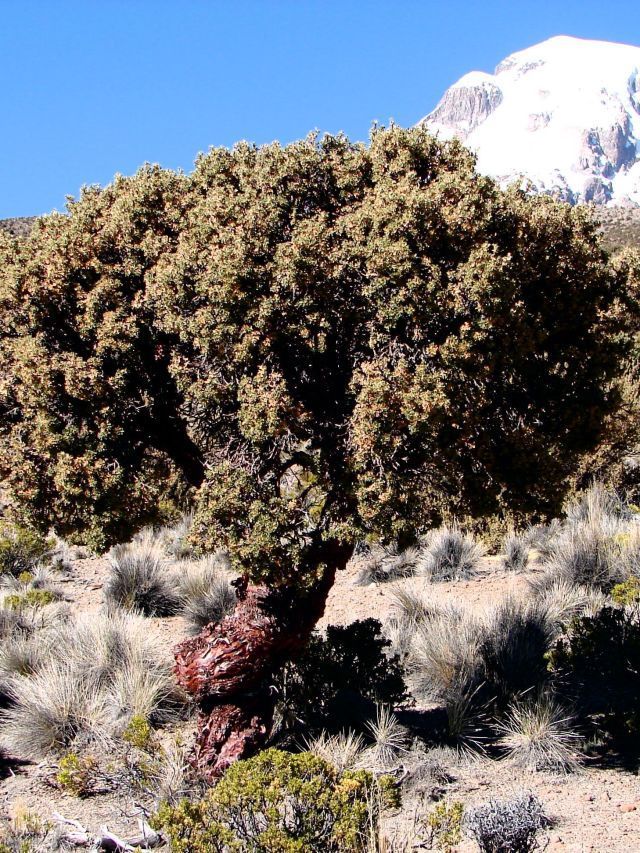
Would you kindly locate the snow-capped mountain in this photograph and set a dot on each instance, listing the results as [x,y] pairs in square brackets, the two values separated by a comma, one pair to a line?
[564,113]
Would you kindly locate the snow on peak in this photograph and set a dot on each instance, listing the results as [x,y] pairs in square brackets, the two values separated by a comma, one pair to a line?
[564,113]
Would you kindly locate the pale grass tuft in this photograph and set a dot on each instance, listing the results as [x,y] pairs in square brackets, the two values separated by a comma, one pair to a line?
[540,735]
[205,591]
[51,709]
[344,750]
[139,579]
[390,739]
[449,554]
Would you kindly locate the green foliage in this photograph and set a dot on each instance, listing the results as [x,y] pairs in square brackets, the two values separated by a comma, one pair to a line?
[598,663]
[316,327]
[31,598]
[340,678]
[279,802]
[139,733]
[445,825]
[628,592]
[76,774]
[20,548]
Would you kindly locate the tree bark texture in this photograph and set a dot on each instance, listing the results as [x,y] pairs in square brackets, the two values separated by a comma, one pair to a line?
[228,666]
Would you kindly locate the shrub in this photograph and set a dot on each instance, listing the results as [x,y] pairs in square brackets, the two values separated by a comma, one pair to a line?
[445,826]
[278,801]
[539,734]
[627,593]
[139,579]
[516,553]
[507,826]
[31,598]
[20,548]
[205,592]
[76,774]
[449,554]
[340,678]
[597,662]
[139,733]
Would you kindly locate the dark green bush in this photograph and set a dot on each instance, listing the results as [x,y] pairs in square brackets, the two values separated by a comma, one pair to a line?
[598,663]
[340,678]
[278,802]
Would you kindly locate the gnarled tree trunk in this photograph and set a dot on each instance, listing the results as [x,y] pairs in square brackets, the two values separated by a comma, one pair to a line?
[228,666]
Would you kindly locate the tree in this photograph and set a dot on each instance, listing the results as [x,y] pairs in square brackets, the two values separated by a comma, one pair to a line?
[311,345]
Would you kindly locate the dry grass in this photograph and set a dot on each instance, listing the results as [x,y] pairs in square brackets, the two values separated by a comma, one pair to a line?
[99,672]
[140,579]
[344,751]
[540,735]
[449,554]
[516,553]
[390,740]
[205,591]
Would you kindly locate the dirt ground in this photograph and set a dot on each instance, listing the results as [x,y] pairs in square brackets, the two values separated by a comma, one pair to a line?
[597,809]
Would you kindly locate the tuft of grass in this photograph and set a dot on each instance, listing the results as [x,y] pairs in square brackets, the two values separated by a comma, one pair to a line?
[344,750]
[449,554]
[563,600]
[384,563]
[444,657]
[139,579]
[516,637]
[539,735]
[150,693]
[390,739]
[99,673]
[50,710]
[205,591]
[516,553]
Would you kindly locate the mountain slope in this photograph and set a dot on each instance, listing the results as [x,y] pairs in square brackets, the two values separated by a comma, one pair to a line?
[564,113]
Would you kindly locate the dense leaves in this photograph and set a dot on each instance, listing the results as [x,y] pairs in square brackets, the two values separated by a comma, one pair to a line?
[323,340]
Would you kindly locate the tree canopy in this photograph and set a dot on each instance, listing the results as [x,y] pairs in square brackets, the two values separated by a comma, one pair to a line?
[323,341]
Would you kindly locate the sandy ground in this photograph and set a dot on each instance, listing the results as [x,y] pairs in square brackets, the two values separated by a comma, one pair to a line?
[597,809]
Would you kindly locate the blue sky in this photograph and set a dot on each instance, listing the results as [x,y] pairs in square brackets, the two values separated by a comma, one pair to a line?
[97,87]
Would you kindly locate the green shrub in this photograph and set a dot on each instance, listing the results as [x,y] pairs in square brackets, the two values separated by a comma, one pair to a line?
[627,592]
[31,598]
[139,733]
[598,662]
[445,826]
[76,774]
[340,678]
[20,548]
[278,802]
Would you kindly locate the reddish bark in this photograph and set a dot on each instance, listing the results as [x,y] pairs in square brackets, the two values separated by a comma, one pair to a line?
[227,667]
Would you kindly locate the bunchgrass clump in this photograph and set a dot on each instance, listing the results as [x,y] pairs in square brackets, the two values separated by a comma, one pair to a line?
[516,553]
[93,676]
[449,554]
[344,750]
[205,591]
[382,564]
[50,709]
[539,734]
[390,739]
[140,580]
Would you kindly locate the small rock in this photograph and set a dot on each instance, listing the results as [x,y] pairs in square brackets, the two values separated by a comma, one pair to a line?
[628,807]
